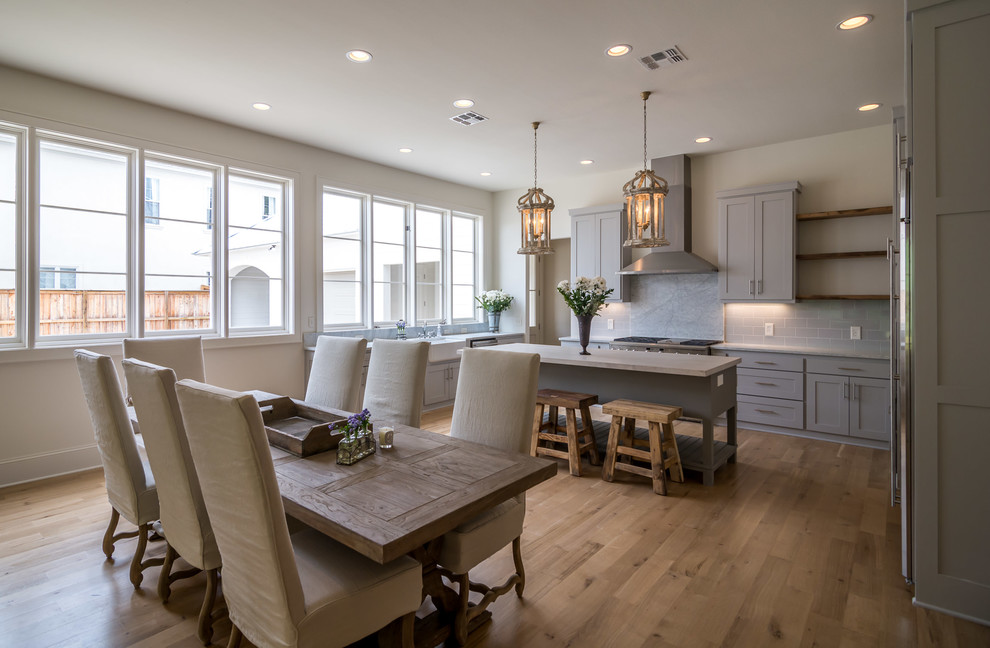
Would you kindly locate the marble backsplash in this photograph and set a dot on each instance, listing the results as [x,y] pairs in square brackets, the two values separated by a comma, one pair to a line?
[684,306]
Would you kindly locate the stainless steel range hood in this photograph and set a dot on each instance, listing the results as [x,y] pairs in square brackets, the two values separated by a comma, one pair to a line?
[675,258]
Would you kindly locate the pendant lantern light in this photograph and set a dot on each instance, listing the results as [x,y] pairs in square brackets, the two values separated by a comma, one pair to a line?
[535,208]
[644,195]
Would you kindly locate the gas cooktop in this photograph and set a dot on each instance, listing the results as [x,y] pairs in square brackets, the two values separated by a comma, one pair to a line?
[636,339]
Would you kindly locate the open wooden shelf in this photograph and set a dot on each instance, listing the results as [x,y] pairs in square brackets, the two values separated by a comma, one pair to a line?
[846,213]
[876,297]
[841,255]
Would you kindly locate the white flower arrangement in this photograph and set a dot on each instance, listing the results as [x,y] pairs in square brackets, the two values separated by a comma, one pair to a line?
[587,297]
[494,301]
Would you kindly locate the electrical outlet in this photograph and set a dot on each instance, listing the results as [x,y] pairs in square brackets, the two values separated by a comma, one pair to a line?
[311,322]
[855,332]
[611,324]
[768,329]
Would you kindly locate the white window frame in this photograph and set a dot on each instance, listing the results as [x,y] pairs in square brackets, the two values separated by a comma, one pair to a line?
[217,277]
[364,308]
[478,278]
[445,255]
[21,283]
[412,317]
[34,268]
[407,255]
[288,255]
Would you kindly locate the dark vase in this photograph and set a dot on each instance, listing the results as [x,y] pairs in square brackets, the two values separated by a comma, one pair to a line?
[584,332]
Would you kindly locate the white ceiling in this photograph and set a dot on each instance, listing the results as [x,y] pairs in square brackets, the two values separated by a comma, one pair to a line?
[758,72]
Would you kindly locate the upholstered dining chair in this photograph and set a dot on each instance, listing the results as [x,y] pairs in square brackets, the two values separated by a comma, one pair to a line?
[306,590]
[494,405]
[185,524]
[183,355]
[130,483]
[335,377]
[396,380]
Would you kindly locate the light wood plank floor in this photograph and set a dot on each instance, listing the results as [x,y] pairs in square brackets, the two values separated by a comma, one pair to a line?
[796,545]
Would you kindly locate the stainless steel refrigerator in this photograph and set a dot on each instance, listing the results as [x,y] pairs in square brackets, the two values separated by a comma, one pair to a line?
[901,432]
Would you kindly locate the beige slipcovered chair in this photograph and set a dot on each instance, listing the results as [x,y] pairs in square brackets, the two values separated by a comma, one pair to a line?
[183,355]
[130,483]
[185,523]
[494,405]
[396,380]
[335,377]
[304,591]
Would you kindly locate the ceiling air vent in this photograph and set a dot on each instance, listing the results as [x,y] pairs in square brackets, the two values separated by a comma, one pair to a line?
[663,58]
[469,118]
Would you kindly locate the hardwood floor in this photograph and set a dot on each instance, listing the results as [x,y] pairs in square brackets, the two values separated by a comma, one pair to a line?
[795,545]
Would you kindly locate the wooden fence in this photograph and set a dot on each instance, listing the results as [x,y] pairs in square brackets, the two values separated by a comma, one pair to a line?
[74,312]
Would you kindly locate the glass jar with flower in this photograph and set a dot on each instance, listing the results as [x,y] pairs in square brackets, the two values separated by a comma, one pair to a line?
[400,330]
[585,299]
[358,441]
[494,302]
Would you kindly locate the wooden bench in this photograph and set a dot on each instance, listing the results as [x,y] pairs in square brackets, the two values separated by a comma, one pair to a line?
[662,452]
[577,441]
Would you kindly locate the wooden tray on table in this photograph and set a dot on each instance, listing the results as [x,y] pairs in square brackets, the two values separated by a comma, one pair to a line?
[298,428]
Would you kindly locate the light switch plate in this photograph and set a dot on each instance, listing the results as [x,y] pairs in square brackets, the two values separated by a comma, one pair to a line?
[855,332]
[768,329]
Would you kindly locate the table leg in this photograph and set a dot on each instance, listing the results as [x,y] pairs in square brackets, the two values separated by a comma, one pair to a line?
[730,432]
[708,451]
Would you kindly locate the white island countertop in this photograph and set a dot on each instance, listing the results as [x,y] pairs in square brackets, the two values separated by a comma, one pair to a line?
[681,364]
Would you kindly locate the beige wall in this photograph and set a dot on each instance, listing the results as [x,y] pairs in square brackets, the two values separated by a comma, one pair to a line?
[45,429]
[840,171]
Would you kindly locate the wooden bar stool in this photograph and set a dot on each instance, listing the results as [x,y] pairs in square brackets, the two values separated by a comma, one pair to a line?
[662,453]
[577,441]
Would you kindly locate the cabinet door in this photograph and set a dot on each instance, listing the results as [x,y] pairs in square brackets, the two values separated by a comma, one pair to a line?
[826,403]
[435,390]
[584,246]
[774,240]
[736,250]
[454,371]
[869,408]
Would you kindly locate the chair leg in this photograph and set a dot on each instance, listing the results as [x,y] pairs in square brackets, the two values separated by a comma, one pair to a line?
[517,559]
[138,563]
[205,629]
[573,453]
[537,428]
[657,461]
[165,576]
[235,637]
[108,538]
[589,431]
[608,468]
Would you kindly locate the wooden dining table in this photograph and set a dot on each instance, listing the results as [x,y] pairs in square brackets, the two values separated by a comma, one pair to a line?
[400,501]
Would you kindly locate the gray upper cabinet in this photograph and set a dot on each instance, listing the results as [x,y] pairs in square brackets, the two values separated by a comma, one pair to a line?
[757,242]
[597,234]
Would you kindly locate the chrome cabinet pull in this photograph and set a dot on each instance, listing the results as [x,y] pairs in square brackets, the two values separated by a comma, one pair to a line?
[763,411]
[767,384]
[766,362]
[759,287]
[849,369]
[845,390]
[750,286]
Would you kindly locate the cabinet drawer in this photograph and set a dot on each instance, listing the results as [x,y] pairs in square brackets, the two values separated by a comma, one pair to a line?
[863,367]
[772,384]
[757,360]
[770,411]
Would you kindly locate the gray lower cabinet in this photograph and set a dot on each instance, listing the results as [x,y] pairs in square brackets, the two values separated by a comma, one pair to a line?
[441,382]
[847,398]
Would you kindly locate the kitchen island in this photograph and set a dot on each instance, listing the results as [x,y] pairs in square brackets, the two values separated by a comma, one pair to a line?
[703,386]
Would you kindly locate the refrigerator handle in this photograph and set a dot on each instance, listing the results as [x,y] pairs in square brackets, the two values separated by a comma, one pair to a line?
[895,304]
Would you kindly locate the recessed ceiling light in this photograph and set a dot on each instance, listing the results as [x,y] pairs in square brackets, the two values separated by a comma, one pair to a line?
[868,107]
[463,103]
[854,22]
[486,173]
[358,56]
[619,50]
[587,161]
[405,150]
[261,106]
[702,140]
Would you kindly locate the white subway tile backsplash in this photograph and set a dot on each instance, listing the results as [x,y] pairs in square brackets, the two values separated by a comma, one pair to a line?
[821,324]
